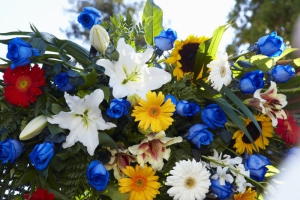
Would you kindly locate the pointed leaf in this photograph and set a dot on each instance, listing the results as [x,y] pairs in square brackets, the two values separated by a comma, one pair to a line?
[154,27]
[28,176]
[106,140]
[90,80]
[284,53]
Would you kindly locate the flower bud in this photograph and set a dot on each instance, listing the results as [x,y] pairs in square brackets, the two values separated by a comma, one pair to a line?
[34,127]
[99,38]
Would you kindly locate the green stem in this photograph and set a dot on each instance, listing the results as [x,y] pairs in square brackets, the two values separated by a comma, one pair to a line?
[239,55]
[234,170]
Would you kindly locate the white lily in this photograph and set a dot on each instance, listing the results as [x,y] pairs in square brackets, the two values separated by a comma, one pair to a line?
[222,175]
[34,127]
[99,38]
[84,120]
[131,75]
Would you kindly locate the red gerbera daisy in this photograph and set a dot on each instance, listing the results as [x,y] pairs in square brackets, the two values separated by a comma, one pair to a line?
[23,85]
[288,130]
[40,194]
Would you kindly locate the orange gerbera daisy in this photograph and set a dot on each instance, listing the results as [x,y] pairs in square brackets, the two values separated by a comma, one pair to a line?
[23,85]
[142,184]
[248,195]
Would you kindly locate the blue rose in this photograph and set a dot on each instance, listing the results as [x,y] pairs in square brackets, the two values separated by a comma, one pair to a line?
[256,164]
[164,41]
[271,45]
[19,52]
[187,109]
[97,175]
[118,108]
[41,155]
[198,134]
[282,73]
[213,116]
[252,81]
[10,150]
[62,82]
[89,17]
[222,191]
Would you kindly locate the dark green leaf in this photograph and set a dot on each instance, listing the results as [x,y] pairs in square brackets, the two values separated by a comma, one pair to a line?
[28,176]
[90,80]
[38,43]
[225,135]
[107,141]
[55,129]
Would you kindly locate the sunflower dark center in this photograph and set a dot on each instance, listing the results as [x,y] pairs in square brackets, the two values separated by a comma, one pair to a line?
[253,131]
[188,57]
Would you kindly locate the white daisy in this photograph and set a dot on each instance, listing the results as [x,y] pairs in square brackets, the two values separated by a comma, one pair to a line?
[220,73]
[189,180]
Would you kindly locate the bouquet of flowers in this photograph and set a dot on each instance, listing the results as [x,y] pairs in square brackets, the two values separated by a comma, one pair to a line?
[142,115]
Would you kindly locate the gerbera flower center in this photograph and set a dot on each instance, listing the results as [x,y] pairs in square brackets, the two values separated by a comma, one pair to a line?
[188,56]
[190,183]
[253,131]
[223,71]
[23,83]
[154,111]
[139,183]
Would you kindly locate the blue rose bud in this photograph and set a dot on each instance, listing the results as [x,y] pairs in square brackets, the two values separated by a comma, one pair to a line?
[89,17]
[252,81]
[97,175]
[118,108]
[282,73]
[19,52]
[165,40]
[41,155]
[10,150]
[187,109]
[198,134]
[222,191]
[271,45]
[62,82]
[256,164]
[213,116]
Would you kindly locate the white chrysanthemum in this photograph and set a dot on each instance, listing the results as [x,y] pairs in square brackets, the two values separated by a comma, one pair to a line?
[189,180]
[220,73]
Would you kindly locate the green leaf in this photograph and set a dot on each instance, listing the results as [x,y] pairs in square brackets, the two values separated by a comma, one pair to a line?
[90,80]
[57,164]
[107,141]
[264,63]
[113,192]
[58,195]
[296,62]
[154,27]
[38,43]
[28,176]
[54,129]
[106,92]
[284,53]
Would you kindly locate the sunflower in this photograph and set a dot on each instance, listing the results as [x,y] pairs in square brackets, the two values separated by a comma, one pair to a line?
[184,55]
[154,112]
[248,195]
[23,85]
[242,142]
[142,184]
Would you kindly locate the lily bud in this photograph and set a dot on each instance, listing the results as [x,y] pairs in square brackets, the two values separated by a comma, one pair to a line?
[34,127]
[99,38]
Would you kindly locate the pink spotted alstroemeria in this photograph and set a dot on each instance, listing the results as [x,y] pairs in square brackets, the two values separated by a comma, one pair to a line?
[269,103]
[153,149]
[119,160]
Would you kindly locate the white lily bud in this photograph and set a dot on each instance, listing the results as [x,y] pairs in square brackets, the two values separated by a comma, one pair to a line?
[34,127]
[99,38]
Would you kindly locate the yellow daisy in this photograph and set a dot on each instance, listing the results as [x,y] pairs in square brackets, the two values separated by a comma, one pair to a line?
[184,54]
[154,113]
[142,184]
[242,143]
[248,195]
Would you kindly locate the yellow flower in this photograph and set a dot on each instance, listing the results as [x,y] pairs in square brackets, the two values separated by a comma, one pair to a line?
[248,195]
[142,184]
[242,142]
[184,54]
[154,112]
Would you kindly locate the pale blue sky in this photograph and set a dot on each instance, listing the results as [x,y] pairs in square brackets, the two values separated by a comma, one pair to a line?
[198,17]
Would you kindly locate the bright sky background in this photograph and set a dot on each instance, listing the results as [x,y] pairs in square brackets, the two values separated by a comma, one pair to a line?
[198,17]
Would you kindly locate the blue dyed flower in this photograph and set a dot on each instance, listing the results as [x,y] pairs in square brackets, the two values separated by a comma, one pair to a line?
[118,108]
[213,116]
[62,81]
[198,134]
[89,17]
[41,155]
[222,191]
[252,81]
[256,164]
[271,45]
[19,52]
[10,150]
[187,109]
[282,73]
[97,175]
[165,40]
